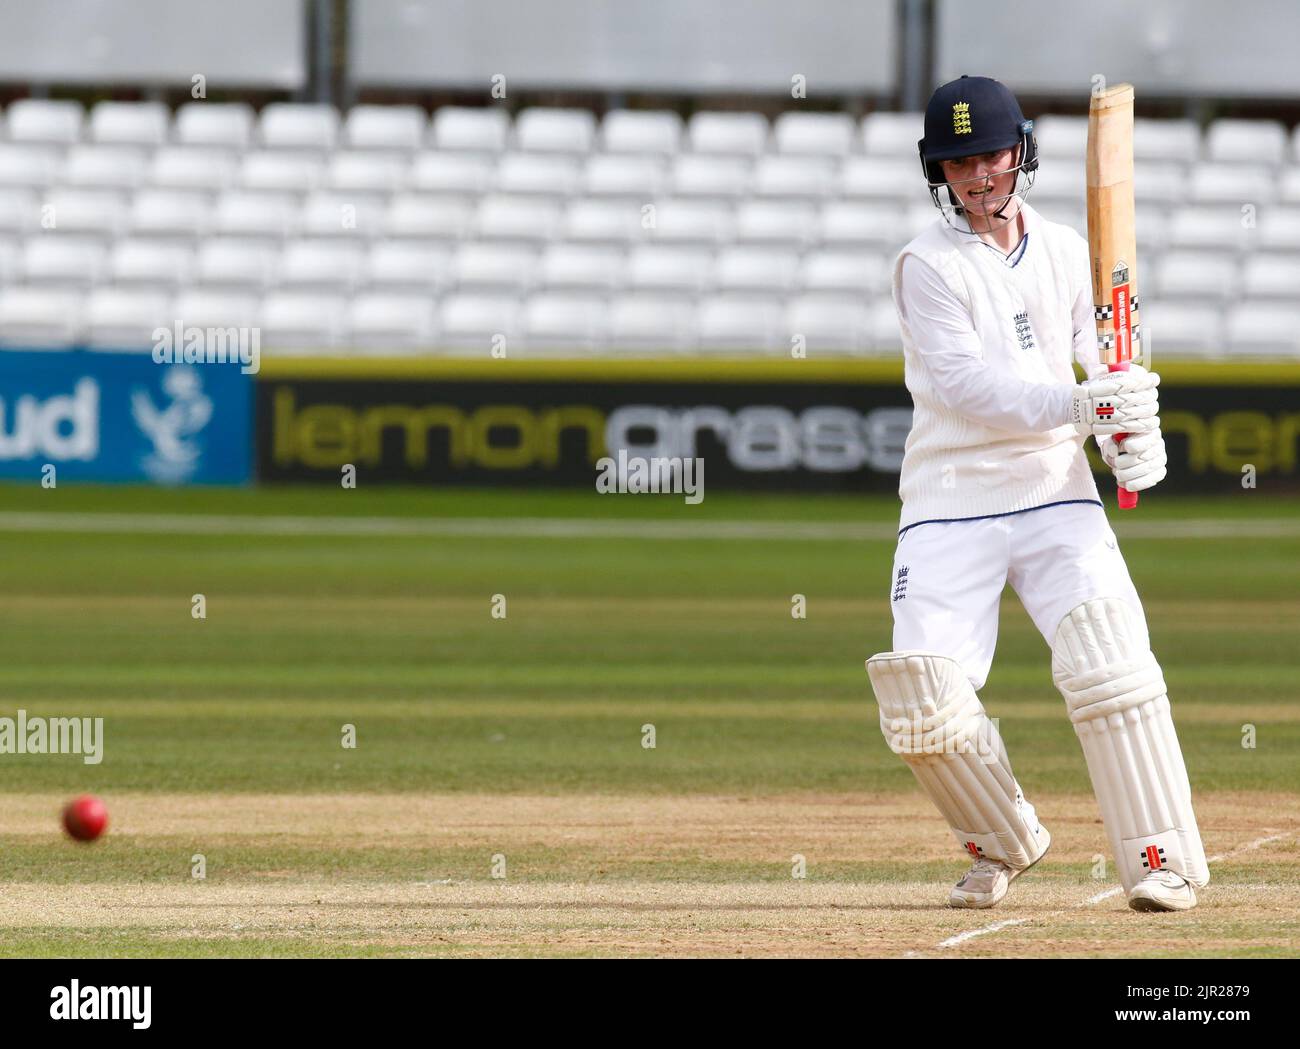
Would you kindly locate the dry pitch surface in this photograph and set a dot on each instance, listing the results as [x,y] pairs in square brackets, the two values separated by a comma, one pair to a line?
[573,883]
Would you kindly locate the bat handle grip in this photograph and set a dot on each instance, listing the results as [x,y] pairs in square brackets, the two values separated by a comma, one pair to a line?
[1127,500]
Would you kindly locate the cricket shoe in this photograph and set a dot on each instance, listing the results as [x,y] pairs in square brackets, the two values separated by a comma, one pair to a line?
[987,881]
[1163,890]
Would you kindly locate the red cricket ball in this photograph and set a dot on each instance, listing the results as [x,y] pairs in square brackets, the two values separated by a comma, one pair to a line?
[85,817]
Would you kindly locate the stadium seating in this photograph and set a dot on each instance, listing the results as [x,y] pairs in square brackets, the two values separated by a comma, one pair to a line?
[387,228]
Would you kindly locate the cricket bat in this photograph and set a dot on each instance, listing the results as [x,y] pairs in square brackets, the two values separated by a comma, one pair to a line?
[1112,236]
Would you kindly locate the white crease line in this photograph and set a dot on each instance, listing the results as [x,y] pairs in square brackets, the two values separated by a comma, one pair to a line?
[953,941]
[962,937]
[1246,848]
[567,528]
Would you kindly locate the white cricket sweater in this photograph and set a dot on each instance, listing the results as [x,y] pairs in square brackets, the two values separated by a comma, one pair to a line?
[987,344]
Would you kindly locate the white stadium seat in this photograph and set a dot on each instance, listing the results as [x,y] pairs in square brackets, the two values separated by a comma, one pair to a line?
[892,134]
[565,322]
[684,269]
[604,222]
[471,322]
[651,323]
[741,134]
[327,214]
[803,178]
[1062,140]
[94,211]
[1159,183]
[171,213]
[821,134]
[1231,183]
[104,167]
[830,323]
[883,178]
[657,131]
[528,219]
[682,220]
[385,127]
[539,175]
[1271,277]
[1246,142]
[228,125]
[51,259]
[394,266]
[480,129]
[775,222]
[886,338]
[498,268]
[1183,329]
[255,214]
[624,176]
[723,177]
[129,123]
[1194,275]
[192,167]
[369,172]
[1288,188]
[428,218]
[20,211]
[57,122]
[769,270]
[1063,181]
[200,306]
[150,263]
[28,166]
[462,173]
[125,319]
[236,263]
[1176,141]
[542,129]
[10,261]
[298,125]
[839,270]
[742,322]
[309,265]
[383,320]
[296,321]
[1279,228]
[289,171]
[1263,329]
[858,223]
[1219,227]
[582,267]
[39,318]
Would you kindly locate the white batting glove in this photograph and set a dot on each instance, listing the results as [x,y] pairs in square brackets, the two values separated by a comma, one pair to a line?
[1118,402]
[1138,462]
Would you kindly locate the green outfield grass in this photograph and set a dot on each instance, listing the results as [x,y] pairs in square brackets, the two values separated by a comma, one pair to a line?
[394,635]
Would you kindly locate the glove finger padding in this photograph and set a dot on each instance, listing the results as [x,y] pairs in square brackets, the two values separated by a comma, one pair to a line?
[1141,461]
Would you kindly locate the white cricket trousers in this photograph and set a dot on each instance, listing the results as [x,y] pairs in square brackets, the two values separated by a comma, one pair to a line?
[949,576]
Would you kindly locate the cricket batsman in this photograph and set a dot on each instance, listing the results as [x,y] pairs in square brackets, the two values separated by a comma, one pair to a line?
[994,303]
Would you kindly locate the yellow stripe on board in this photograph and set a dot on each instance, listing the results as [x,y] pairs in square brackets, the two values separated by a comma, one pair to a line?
[677,369]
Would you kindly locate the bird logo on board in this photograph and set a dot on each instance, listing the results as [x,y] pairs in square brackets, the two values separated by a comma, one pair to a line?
[1153,858]
[961,118]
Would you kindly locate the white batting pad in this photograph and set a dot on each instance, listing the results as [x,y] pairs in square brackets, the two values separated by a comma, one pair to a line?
[933,720]
[1117,700]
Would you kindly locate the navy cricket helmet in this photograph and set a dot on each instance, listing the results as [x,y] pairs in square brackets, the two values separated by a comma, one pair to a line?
[969,116]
